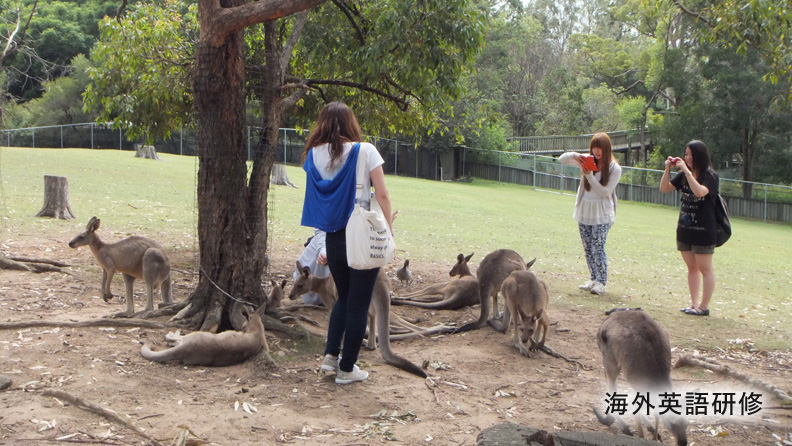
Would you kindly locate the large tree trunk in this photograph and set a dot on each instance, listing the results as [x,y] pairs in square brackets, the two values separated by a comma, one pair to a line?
[232,213]
[231,253]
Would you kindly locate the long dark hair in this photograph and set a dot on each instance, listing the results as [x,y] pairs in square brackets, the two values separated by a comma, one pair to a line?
[700,157]
[601,140]
[336,125]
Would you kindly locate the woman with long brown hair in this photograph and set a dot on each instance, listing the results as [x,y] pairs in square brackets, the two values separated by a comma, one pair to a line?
[330,161]
[595,206]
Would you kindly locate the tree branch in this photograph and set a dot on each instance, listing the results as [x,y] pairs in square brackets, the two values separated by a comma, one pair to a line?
[220,22]
[345,9]
[696,15]
[291,42]
[312,83]
[8,49]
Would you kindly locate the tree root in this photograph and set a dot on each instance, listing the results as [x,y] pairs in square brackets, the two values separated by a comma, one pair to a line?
[34,265]
[709,364]
[546,348]
[107,414]
[118,323]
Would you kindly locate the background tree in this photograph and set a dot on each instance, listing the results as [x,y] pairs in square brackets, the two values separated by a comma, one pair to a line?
[146,90]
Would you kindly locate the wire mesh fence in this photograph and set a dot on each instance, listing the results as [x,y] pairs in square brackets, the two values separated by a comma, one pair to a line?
[767,202]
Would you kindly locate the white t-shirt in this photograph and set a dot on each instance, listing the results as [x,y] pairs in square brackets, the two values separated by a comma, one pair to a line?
[321,159]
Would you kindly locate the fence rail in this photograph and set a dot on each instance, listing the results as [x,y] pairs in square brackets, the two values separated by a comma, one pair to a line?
[766,202]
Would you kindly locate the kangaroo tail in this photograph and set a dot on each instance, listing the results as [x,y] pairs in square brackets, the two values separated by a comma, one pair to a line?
[161,356]
[402,363]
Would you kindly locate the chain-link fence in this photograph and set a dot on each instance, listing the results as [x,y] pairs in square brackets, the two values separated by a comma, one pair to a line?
[766,202]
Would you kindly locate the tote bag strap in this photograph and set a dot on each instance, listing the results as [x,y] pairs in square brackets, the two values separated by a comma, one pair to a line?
[361,165]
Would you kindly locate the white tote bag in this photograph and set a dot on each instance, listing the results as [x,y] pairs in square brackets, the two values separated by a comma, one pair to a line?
[369,243]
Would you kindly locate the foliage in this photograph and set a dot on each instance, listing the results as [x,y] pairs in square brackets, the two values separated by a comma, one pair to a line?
[146,90]
[400,61]
[750,25]
[61,102]
[58,32]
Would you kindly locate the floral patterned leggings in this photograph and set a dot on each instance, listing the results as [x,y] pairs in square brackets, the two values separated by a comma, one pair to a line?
[593,238]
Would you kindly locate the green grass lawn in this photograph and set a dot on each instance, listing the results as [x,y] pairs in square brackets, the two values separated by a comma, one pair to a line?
[437,221]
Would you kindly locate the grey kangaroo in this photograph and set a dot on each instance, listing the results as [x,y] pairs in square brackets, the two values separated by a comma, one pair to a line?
[452,295]
[491,273]
[635,345]
[212,349]
[379,316]
[135,258]
[526,298]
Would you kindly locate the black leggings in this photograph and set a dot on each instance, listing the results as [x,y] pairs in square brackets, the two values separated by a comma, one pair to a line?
[350,313]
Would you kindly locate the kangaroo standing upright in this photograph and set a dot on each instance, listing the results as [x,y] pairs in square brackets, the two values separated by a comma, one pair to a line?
[491,273]
[634,344]
[135,258]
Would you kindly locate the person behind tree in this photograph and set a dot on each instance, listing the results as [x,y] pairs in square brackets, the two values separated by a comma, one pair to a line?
[696,228]
[595,206]
[330,161]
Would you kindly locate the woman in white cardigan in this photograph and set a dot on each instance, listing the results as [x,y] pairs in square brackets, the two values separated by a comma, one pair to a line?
[595,206]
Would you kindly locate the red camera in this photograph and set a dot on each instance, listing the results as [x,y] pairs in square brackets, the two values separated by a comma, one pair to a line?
[589,162]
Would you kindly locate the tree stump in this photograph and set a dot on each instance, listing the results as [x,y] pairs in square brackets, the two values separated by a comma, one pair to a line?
[279,176]
[146,152]
[56,198]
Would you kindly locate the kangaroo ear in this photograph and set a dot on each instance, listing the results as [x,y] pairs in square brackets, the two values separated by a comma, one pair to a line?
[539,314]
[467,259]
[306,271]
[93,224]
[460,258]
[283,284]
[530,264]
[299,265]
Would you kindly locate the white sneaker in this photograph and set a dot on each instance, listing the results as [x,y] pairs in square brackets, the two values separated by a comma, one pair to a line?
[330,363]
[598,288]
[356,374]
[587,286]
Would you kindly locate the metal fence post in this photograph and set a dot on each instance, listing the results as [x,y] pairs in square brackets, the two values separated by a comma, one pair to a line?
[284,147]
[395,157]
[61,129]
[92,143]
[534,171]
[248,142]
[120,140]
[764,212]
[181,140]
[34,138]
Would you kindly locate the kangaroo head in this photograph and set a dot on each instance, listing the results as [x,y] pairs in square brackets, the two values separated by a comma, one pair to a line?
[461,267]
[528,326]
[86,237]
[302,284]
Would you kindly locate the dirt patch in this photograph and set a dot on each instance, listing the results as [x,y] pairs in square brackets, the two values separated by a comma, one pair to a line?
[477,379]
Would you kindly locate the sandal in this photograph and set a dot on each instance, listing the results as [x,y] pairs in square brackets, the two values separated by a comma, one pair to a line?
[697,311]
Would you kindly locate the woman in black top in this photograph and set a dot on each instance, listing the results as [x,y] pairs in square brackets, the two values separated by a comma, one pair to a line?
[696,228]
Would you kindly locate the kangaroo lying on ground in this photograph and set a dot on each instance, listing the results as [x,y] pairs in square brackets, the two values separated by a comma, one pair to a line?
[526,299]
[632,343]
[135,258]
[212,349]
[457,293]
[491,273]
[379,316]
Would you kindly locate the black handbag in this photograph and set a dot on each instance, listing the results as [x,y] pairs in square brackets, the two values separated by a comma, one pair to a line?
[722,221]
